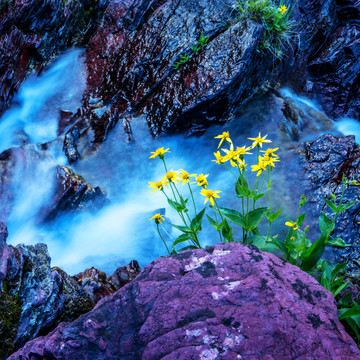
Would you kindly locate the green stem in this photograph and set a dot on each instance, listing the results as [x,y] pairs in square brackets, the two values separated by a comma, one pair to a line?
[218,223]
[269,180]
[192,197]
[157,225]
[231,171]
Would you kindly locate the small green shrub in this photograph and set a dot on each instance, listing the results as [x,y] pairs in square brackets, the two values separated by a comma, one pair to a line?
[275,18]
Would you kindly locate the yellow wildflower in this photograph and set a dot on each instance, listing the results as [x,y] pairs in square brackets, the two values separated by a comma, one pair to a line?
[260,167]
[270,152]
[170,176]
[219,158]
[201,180]
[258,141]
[242,165]
[159,152]
[290,224]
[269,161]
[283,9]
[184,176]
[158,218]
[157,185]
[354,182]
[232,156]
[241,151]
[210,195]
[292,238]
[224,136]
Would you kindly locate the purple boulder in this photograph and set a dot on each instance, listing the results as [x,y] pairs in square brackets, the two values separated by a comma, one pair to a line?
[229,301]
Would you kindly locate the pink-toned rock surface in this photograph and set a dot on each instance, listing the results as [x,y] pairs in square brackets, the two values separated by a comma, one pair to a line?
[225,302]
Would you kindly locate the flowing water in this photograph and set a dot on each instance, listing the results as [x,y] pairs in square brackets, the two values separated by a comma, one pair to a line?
[121,231]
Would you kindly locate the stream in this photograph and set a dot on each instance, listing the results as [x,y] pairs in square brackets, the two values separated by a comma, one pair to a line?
[121,231]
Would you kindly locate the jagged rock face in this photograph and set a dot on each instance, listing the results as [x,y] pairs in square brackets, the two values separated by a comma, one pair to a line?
[130,67]
[330,38]
[73,193]
[325,161]
[34,31]
[33,297]
[222,302]
[98,285]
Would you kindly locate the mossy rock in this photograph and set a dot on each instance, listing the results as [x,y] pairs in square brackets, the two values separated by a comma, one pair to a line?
[10,311]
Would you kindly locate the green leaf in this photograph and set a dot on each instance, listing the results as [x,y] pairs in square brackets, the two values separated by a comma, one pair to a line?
[234,216]
[262,243]
[175,205]
[196,222]
[313,254]
[281,246]
[254,217]
[274,215]
[227,232]
[337,269]
[214,224]
[353,311]
[341,288]
[300,220]
[338,242]
[332,206]
[184,229]
[325,223]
[344,207]
[257,197]
[333,196]
[181,239]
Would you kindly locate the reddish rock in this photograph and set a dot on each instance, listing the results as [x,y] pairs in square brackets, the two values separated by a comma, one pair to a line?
[223,302]
[34,31]
[98,285]
[72,193]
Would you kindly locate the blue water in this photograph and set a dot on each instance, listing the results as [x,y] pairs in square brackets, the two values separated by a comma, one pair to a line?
[121,231]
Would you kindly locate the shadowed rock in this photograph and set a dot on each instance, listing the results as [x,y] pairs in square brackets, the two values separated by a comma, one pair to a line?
[325,161]
[217,303]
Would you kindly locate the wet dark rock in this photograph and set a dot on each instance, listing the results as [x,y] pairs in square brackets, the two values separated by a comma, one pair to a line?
[34,31]
[98,285]
[325,161]
[172,311]
[130,65]
[72,194]
[330,40]
[33,297]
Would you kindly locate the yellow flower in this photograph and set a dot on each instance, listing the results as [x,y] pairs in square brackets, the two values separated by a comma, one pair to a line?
[158,218]
[242,164]
[283,9]
[157,185]
[354,182]
[241,151]
[290,224]
[170,176]
[184,176]
[159,152]
[260,167]
[201,180]
[258,141]
[292,238]
[224,136]
[219,158]
[210,195]
[270,152]
[232,156]
[269,161]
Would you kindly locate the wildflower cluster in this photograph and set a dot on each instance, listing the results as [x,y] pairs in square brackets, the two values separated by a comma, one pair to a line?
[275,19]
[296,249]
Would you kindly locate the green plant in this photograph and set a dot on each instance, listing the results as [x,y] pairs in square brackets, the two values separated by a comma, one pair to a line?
[275,18]
[296,249]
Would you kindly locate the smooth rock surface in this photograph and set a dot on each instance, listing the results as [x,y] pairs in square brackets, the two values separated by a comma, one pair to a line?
[229,301]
